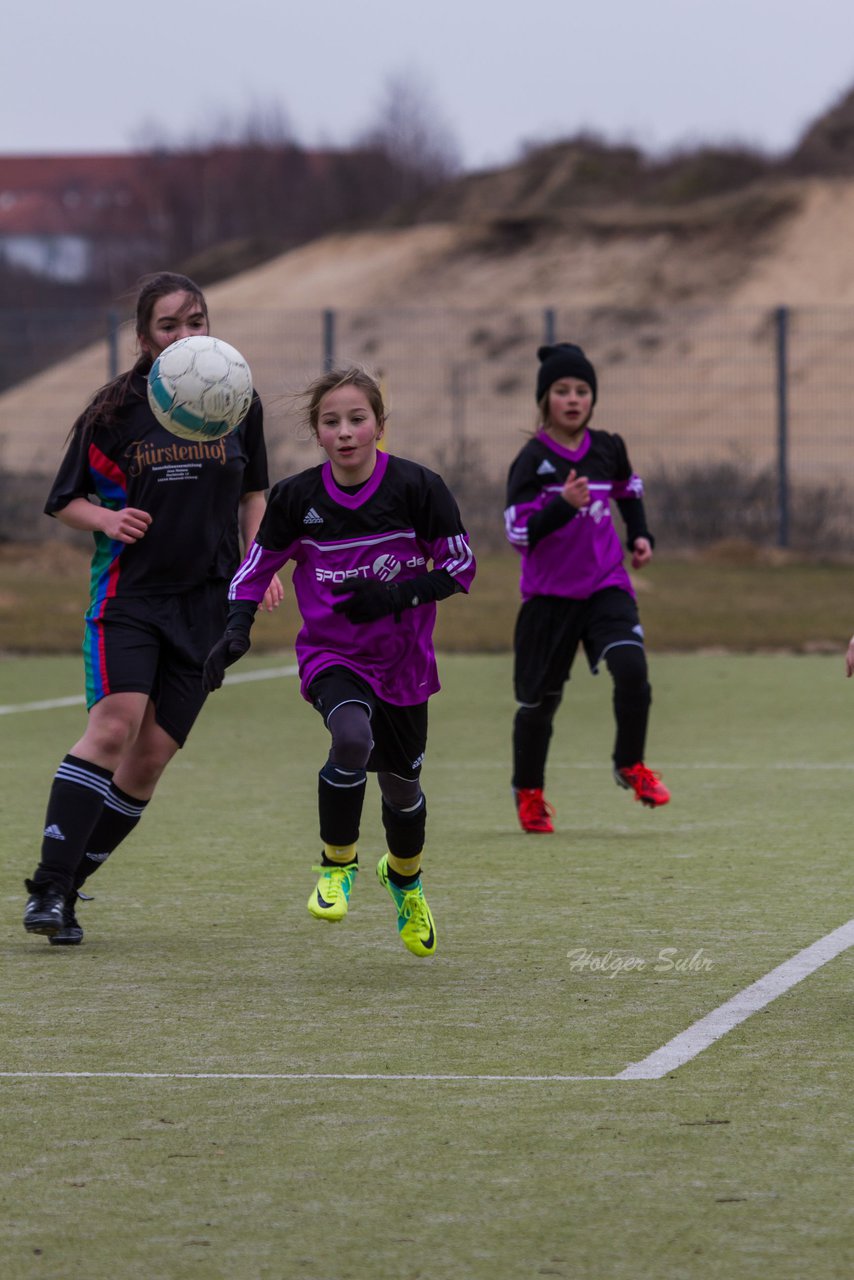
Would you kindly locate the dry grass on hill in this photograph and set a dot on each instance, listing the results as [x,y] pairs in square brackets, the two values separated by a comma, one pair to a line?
[651,286]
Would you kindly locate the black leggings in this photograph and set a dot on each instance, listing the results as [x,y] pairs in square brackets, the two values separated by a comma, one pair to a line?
[532,728]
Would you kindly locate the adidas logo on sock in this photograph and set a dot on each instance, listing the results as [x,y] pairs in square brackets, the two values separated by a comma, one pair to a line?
[53,832]
[97,857]
[311,517]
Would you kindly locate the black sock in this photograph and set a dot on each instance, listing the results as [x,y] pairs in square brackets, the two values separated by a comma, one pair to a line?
[76,799]
[531,738]
[632,698]
[405,829]
[119,816]
[340,795]
[403,882]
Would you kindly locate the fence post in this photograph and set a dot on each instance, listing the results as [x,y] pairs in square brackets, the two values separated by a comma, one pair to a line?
[549,326]
[328,340]
[112,345]
[782,333]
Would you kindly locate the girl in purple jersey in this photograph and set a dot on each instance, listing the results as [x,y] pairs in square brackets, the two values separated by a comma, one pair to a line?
[575,589]
[375,542]
[167,517]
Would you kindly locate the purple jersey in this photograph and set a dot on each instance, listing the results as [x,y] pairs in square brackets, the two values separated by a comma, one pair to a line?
[567,552]
[398,525]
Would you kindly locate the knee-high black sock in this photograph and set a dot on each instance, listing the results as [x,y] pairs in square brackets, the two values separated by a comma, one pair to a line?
[340,796]
[119,816]
[405,829]
[532,733]
[631,711]
[632,700]
[404,832]
[76,799]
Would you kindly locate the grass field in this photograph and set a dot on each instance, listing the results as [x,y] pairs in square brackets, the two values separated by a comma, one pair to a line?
[258,1094]
[731,596]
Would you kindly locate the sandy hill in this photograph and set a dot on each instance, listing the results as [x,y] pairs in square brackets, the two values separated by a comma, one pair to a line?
[787,243]
[450,311]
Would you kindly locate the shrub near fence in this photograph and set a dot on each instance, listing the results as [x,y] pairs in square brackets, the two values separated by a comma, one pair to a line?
[738,421]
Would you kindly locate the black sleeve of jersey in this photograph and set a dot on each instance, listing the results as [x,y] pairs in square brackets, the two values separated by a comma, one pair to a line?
[622,466]
[369,600]
[278,529]
[425,588]
[255,477]
[524,485]
[437,514]
[631,509]
[522,482]
[72,479]
[554,516]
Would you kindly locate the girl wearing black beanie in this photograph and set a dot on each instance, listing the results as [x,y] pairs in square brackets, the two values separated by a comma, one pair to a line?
[575,588]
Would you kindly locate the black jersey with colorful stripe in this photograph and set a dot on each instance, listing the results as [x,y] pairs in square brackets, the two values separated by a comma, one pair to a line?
[190,489]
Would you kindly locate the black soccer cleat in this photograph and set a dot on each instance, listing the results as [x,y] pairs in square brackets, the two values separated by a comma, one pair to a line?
[45,909]
[71,933]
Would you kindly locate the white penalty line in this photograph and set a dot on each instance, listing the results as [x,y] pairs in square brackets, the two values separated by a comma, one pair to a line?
[703,1033]
[53,704]
[681,1049]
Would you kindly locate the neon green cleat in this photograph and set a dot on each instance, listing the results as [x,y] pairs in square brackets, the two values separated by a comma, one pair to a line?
[414,918]
[331,895]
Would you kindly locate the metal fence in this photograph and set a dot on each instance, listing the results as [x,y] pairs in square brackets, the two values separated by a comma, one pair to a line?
[738,420]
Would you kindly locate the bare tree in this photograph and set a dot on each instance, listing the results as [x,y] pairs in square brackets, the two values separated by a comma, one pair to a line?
[409,131]
[236,181]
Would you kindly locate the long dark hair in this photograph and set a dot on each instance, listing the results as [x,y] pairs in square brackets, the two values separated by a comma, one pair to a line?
[106,401]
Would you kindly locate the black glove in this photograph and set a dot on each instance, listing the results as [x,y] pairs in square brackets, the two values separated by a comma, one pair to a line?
[368,600]
[228,649]
[231,646]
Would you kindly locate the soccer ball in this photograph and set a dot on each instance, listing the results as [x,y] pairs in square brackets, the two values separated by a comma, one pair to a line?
[200,388]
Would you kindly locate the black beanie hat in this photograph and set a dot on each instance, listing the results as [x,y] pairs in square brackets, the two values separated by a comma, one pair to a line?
[564,360]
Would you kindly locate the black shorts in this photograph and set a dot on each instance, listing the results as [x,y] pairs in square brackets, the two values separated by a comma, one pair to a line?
[399,733]
[156,645]
[549,630]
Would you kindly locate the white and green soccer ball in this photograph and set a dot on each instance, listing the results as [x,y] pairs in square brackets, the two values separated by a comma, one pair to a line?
[200,388]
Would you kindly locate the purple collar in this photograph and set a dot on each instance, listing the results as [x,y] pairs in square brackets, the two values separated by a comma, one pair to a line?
[367,490]
[573,455]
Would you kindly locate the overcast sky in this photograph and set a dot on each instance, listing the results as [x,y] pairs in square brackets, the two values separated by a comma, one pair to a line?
[103,75]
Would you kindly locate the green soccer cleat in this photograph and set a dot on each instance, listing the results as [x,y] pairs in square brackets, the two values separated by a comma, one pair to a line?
[414,918]
[331,895]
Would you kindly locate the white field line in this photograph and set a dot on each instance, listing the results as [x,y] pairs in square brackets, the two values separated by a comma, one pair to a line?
[688,1044]
[52,704]
[681,1049]
[269,673]
[287,1075]
[275,673]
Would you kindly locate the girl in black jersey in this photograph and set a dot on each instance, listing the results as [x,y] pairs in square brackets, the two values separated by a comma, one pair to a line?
[362,530]
[575,589]
[167,517]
